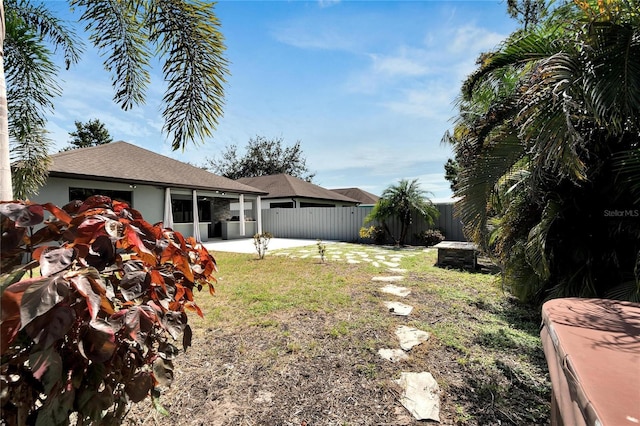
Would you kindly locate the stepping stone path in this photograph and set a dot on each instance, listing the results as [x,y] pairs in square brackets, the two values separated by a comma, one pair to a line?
[392,279]
[421,395]
[393,355]
[410,337]
[395,290]
[420,391]
[397,308]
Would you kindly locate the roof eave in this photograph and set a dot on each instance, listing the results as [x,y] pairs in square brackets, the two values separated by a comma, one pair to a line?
[149,183]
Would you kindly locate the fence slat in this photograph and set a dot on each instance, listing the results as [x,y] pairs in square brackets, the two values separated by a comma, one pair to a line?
[344,223]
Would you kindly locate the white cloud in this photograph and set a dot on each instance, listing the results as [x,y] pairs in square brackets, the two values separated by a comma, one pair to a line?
[434,101]
[327,3]
[471,38]
[326,35]
[435,183]
[406,62]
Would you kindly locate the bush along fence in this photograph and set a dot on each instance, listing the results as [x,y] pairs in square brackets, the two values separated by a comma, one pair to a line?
[344,223]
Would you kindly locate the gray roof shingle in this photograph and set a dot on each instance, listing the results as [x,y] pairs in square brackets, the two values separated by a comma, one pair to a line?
[358,194]
[286,186]
[124,162]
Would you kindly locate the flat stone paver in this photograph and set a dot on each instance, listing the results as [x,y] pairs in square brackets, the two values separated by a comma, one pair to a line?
[395,290]
[393,355]
[389,279]
[341,252]
[410,337]
[397,308]
[420,395]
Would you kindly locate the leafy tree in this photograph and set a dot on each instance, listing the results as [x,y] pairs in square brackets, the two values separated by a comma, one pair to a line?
[91,133]
[94,330]
[528,12]
[401,201]
[451,169]
[183,34]
[547,143]
[263,157]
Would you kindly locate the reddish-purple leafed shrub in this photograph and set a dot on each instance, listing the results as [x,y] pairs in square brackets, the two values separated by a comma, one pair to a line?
[93,299]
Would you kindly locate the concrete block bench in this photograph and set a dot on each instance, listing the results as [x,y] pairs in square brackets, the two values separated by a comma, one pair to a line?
[457,254]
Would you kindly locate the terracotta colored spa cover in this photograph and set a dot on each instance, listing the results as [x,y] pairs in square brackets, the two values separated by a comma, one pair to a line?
[592,347]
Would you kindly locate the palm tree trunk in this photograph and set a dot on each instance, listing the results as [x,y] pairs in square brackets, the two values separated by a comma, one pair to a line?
[6,190]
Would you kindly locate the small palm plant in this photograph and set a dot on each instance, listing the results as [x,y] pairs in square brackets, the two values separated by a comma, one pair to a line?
[402,201]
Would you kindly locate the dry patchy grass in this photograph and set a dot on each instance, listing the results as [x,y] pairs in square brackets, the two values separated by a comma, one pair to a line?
[290,341]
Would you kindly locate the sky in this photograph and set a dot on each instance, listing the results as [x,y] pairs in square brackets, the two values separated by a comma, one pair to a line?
[367,87]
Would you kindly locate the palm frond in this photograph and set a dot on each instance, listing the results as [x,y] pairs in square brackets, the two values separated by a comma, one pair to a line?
[626,164]
[478,183]
[48,27]
[116,28]
[31,87]
[613,88]
[551,116]
[536,246]
[518,51]
[188,37]
[30,162]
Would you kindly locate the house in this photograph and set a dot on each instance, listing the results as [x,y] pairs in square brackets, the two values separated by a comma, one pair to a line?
[363,197]
[285,191]
[160,188]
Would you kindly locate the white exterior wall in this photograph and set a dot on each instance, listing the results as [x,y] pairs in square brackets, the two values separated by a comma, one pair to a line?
[147,199]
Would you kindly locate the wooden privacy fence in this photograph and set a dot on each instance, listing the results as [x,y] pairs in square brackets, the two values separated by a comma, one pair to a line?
[344,223]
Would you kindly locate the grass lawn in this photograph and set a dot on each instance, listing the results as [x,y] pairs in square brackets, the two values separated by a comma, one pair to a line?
[290,340]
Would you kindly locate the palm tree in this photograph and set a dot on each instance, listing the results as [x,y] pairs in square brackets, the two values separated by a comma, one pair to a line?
[402,201]
[546,161]
[184,34]
[32,86]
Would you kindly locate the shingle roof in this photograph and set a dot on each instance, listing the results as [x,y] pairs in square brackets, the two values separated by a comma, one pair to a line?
[124,162]
[286,186]
[358,194]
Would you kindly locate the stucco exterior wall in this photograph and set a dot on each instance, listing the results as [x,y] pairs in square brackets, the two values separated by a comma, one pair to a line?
[147,199]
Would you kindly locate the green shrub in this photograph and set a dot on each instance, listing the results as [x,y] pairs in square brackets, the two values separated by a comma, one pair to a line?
[91,303]
[430,237]
[375,233]
[322,250]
